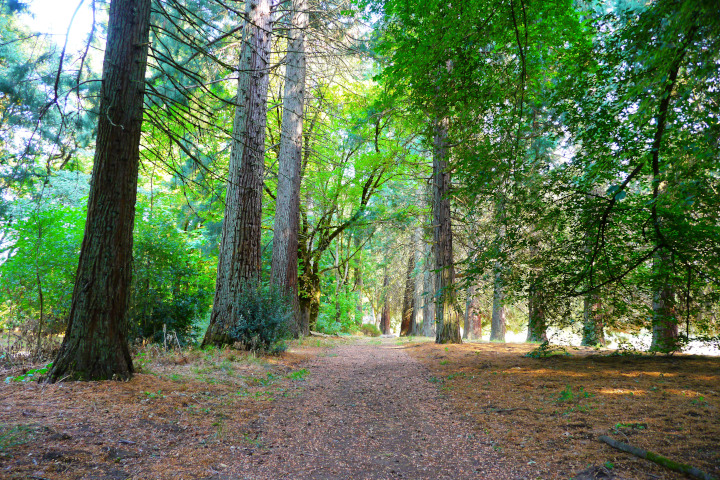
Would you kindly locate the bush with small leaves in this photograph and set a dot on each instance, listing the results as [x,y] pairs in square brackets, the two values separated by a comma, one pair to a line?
[370,330]
[263,318]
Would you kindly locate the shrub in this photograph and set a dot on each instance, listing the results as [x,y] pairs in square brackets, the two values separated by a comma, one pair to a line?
[370,330]
[172,282]
[263,314]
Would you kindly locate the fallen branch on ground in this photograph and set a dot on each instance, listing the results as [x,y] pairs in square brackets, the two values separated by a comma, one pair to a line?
[659,459]
[319,334]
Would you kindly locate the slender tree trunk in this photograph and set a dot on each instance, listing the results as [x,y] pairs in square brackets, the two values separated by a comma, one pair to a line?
[284,269]
[309,296]
[41,298]
[470,313]
[665,335]
[593,325]
[429,294]
[408,310]
[358,281]
[415,328]
[537,326]
[239,258]
[497,323]
[446,317]
[385,316]
[95,344]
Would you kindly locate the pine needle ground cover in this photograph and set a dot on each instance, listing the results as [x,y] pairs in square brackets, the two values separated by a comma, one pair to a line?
[188,416]
[549,412]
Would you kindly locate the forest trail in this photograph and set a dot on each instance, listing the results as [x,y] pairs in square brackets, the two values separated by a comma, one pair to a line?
[369,412]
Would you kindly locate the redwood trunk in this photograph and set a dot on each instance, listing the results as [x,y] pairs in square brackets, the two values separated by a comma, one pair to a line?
[284,269]
[95,344]
[446,318]
[239,257]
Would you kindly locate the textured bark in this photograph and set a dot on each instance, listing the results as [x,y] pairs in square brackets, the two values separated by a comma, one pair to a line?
[537,326]
[593,325]
[471,306]
[428,329]
[239,257]
[385,315]
[407,325]
[497,323]
[95,344]
[446,317]
[665,335]
[284,268]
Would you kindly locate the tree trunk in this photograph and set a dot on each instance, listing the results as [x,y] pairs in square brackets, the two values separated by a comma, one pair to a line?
[385,316]
[497,324]
[408,310]
[537,327]
[415,329]
[470,313]
[309,295]
[95,344]
[446,317]
[239,257]
[593,325]
[428,294]
[665,334]
[358,281]
[284,269]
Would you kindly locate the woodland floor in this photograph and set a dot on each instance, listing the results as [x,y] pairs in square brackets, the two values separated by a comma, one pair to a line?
[367,409]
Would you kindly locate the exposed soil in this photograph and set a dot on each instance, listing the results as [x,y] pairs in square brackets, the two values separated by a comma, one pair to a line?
[367,410]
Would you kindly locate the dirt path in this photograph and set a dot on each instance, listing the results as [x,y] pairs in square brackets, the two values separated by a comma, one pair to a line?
[369,412]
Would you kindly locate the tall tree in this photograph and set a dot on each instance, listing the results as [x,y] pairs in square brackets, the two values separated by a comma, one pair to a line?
[407,324]
[593,325]
[428,309]
[95,344]
[239,258]
[284,270]
[537,324]
[446,317]
[385,315]
[497,323]
[471,311]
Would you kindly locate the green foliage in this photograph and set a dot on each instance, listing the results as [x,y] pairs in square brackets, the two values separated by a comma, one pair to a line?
[298,374]
[546,350]
[370,330]
[33,374]
[339,313]
[263,315]
[172,282]
[42,244]
[567,395]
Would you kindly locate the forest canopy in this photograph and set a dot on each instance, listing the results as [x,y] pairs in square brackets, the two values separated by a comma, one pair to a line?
[467,169]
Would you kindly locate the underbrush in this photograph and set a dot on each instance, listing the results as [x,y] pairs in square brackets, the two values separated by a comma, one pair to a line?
[370,330]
